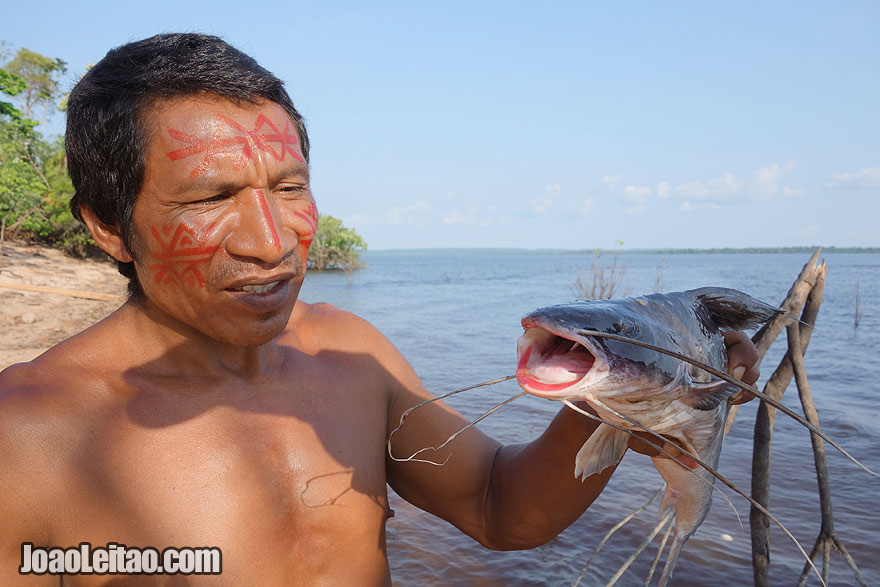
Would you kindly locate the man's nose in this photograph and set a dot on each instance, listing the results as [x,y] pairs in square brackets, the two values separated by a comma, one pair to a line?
[259,233]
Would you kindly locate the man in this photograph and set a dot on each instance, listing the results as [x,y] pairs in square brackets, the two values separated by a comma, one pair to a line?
[213,408]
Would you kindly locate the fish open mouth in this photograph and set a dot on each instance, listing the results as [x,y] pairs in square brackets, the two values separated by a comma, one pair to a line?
[551,363]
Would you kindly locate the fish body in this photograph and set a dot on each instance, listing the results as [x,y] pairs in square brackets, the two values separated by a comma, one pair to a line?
[623,382]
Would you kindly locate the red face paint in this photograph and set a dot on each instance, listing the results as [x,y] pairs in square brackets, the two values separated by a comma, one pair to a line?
[264,205]
[246,140]
[182,251]
[311,217]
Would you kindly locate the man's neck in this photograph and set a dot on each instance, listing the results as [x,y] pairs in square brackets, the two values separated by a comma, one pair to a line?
[173,346]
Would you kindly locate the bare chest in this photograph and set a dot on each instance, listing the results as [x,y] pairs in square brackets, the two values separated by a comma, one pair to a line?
[283,489]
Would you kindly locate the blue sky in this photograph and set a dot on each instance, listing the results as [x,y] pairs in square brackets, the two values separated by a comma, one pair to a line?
[567,125]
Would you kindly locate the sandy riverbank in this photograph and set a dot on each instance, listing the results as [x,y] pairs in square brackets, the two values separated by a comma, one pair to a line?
[31,322]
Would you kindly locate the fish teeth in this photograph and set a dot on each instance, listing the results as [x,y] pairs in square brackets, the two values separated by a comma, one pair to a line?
[258,288]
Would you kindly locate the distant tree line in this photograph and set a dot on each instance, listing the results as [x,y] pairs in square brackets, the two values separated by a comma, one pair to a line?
[727,250]
[35,188]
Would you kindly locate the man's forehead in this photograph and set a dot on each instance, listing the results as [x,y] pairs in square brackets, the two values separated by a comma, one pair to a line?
[196,130]
[190,110]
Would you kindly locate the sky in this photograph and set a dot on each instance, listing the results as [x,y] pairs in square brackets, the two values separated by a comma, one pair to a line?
[563,125]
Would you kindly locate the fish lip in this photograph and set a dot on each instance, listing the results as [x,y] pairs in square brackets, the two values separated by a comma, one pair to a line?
[552,390]
[239,283]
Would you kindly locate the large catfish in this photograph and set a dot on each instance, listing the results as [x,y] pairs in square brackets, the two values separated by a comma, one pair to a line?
[629,385]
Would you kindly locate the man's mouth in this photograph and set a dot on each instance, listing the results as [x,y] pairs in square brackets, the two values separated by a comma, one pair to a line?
[261,294]
[257,289]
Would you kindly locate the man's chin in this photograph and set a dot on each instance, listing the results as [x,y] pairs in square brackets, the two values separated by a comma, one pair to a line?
[255,333]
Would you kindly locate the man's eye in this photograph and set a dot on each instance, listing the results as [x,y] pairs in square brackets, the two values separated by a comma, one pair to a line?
[212,199]
[292,189]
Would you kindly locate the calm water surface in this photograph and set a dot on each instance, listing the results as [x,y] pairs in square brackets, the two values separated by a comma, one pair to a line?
[455,316]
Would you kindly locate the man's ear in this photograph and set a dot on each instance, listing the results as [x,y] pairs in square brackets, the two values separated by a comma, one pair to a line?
[106,236]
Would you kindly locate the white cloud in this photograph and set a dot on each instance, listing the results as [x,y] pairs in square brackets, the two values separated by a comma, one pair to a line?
[767,179]
[586,206]
[636,193]
[635,210]
[865,179]
[475,216]
[612,181]
[765,183]
[662,190]
[357,220]
[397,215]
[636,196]
[762,184]
[454,217]
[688,206]
[720,188]
[542,202]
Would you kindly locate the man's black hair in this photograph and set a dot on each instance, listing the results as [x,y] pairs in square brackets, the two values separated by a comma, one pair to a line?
[107,127]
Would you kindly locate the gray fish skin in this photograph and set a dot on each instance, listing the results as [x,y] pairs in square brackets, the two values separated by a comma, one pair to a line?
[665,394]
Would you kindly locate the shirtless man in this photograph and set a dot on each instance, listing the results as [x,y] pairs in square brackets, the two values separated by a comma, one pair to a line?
[213,408]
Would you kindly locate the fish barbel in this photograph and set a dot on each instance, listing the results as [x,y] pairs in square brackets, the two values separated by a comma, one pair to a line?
[635,388]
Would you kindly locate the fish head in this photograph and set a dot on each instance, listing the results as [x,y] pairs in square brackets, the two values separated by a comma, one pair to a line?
[558,360]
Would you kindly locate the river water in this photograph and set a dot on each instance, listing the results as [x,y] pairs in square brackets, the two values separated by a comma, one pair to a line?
[455,316]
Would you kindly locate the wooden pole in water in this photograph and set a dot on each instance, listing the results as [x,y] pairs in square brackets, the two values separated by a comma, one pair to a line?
[806,291]
[827,536]
[791,305]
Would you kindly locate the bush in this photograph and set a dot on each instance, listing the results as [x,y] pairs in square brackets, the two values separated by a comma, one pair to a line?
[335,246]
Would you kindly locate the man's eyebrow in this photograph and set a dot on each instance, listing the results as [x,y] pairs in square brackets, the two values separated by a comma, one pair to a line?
[295,170]
[211,184]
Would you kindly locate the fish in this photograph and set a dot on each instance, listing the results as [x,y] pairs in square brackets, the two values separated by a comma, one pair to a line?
[562,355]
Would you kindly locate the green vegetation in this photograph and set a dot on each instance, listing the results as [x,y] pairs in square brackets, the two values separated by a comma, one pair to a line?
[34,186]
[335,246]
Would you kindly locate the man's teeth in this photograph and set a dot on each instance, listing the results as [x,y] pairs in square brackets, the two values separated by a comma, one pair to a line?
[258,288]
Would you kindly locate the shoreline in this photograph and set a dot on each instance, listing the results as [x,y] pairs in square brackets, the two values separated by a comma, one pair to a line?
[31,322]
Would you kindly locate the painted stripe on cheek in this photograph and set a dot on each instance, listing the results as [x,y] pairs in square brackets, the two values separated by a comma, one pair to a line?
[265,206]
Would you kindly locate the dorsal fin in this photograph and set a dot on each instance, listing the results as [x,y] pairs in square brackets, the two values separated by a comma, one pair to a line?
[733,309]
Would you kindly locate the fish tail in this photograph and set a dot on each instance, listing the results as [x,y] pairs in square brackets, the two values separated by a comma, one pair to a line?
[678,541]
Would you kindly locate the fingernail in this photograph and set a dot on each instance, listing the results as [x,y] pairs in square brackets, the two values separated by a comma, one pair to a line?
[739,372]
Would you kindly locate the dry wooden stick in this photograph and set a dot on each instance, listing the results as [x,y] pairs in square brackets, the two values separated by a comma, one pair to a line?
[827,536]
[64,292]
[763,432]
[793,302]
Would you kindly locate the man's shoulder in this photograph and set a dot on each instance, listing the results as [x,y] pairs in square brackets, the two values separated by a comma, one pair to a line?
[32,402]
[349,341]
[53,372]
[328,326]
[33,440]
[42,400]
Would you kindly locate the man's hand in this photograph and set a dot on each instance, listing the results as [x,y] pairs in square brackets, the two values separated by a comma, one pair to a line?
[742,363]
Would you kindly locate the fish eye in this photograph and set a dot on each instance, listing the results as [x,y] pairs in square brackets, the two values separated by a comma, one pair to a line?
[624,327]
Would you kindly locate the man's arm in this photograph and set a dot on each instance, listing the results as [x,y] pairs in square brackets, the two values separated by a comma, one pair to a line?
[19,449]
[510,497]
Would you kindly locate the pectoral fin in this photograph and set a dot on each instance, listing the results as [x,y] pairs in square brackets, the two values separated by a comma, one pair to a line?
[708,396]
[605,447]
